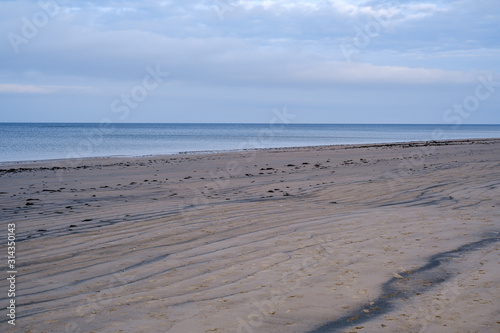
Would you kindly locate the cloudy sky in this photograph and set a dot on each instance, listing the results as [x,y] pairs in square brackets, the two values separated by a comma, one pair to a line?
[326,61]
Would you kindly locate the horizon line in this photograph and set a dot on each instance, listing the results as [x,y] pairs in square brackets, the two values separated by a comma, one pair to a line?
[237,123]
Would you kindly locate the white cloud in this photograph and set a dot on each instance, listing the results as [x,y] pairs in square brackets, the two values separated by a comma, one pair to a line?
[368,73]
[42,89]
[22,89]
[404,11]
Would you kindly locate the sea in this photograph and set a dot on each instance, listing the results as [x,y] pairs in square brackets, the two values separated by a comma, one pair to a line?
[45,141]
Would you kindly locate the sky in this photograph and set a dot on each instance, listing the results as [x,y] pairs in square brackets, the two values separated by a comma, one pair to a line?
[239,61]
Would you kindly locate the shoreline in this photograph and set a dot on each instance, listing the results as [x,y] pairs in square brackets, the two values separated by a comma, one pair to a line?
[394,237]
[236,151]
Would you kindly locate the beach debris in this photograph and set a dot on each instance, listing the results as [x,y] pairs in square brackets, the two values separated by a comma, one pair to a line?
[51,191]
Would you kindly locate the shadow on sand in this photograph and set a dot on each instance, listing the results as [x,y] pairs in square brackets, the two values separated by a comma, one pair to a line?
[397,288]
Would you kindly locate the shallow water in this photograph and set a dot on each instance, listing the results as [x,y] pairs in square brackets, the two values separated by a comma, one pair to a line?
[39,141]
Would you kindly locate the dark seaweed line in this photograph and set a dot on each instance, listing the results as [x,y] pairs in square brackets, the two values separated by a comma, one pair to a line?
[396,289]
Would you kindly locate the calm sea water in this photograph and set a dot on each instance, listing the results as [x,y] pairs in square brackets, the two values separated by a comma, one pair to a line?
[40,141]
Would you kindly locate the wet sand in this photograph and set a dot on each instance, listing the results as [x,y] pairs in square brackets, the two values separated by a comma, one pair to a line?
[360,238]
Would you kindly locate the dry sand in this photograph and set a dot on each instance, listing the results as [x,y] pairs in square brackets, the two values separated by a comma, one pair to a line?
[364,238]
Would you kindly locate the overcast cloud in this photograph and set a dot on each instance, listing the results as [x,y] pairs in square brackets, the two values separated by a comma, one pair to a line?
[332,61]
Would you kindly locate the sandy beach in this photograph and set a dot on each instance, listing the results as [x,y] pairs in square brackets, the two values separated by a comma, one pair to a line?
[360,238]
